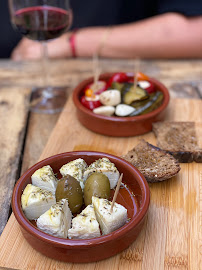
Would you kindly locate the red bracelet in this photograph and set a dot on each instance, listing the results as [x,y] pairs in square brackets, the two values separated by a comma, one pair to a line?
[72,43]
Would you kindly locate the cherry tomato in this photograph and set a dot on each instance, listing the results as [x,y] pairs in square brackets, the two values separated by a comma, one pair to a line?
[118,77]
[131,80]
[90,104]
[121,77]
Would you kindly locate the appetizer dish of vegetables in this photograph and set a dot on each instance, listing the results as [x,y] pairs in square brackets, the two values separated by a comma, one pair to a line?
[77,206]
[120,96]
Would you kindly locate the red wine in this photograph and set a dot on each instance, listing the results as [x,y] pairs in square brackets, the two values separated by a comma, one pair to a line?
[42,22]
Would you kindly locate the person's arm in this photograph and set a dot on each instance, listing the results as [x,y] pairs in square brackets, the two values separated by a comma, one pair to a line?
[169,35]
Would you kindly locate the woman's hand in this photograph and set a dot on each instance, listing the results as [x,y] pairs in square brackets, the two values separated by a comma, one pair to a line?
[29,49]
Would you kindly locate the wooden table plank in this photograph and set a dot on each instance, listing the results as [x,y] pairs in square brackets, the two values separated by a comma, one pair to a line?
[200,89]
[39,129]
[13,118]
[5,268]
[71,71]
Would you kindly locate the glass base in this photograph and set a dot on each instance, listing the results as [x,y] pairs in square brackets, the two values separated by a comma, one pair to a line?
[48,100]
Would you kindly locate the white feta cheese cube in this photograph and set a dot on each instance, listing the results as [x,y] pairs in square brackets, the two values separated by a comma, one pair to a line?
[36,201]
[85,225]
[105,166]
[76,169]
[57,220]
[45,179]
[109,221]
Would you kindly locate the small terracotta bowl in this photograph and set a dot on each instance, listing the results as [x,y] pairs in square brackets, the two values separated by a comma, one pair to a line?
[134,195]
[114,125]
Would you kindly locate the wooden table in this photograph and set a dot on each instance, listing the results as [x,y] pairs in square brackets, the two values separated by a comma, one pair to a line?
[23,135]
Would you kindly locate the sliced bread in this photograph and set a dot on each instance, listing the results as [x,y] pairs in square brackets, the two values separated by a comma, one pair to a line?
[179,139]
[155,164]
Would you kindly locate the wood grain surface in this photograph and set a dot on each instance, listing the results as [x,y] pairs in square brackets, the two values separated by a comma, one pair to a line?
[183,79]
[13,112]
[26,134]
[171,238]
[71,71]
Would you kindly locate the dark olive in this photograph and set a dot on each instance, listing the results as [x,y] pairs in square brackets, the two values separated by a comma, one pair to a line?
[69,188]
[97,184]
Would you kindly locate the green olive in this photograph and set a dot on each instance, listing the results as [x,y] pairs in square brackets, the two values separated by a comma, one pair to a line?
[97,184]
[69,188]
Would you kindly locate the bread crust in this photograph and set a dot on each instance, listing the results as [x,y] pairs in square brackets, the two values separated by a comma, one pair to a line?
[178,139]
[154,163]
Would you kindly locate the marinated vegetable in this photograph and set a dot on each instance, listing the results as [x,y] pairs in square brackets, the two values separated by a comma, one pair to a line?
[91,103]
[110,97]
[149,105]
[124,110]
[69,188]
[142,77]
[148,86]
[118,77]
[130,94]
[98,185]
[105,110]
[97,88]
[121,90]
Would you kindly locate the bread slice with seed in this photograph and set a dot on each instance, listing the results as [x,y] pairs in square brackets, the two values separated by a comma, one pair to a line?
[155,164]
[179,139]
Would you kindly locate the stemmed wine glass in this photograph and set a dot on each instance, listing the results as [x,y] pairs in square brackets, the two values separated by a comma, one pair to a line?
[43,20]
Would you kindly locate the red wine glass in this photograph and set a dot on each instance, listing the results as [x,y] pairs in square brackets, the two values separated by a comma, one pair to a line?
[43,20]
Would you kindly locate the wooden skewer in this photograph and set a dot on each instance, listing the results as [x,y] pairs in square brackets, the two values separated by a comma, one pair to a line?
[116,192]
[96,70]
[136,69]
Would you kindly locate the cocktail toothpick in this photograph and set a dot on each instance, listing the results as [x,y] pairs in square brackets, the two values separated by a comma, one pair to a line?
[101,44]
[96,69]
[116,192]
[136,69]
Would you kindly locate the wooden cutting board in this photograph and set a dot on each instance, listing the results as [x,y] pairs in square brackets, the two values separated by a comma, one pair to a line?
[172,236]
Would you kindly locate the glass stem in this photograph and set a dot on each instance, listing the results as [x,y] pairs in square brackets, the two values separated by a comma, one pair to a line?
[47,93]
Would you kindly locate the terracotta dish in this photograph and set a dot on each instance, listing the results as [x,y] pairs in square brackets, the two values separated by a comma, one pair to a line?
[114,125]
[134,195]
